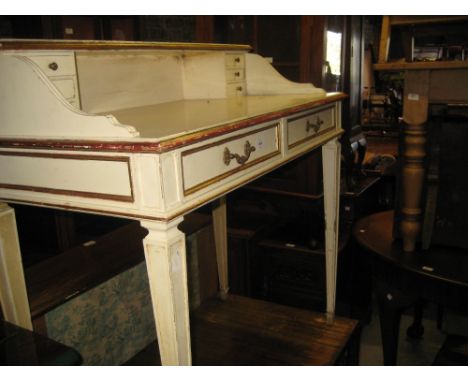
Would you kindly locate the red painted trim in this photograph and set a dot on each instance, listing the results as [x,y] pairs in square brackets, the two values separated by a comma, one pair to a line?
[39,44]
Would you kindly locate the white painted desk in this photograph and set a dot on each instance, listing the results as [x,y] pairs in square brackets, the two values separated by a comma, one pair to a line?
[151,131]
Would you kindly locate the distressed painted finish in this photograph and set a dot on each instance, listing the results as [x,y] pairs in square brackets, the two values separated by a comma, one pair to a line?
[13,296]
[156,124]
[331,159]
[167,274]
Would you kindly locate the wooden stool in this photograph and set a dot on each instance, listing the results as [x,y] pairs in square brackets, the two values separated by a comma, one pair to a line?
[240,331]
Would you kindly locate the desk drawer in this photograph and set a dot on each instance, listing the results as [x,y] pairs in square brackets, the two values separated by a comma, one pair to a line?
[213,162]
[308,126]
[235,75]
[55,65]
[234,61]
[235,89]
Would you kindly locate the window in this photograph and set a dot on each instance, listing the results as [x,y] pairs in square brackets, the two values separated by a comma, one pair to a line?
[334,52]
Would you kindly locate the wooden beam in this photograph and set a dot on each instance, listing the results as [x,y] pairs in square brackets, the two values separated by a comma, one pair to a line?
[410,20]
[384,39]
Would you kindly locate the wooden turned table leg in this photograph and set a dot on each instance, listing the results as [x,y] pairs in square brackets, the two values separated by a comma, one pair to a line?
[412,181]
[13,294]
[167,272]
[415,109]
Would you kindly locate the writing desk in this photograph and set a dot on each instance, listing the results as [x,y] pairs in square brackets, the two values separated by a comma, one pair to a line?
[151,131]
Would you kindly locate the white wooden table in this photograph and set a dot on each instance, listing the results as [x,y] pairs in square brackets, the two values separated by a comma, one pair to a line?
[151,131]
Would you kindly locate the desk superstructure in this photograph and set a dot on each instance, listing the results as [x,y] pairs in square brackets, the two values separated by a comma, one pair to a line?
[151,131]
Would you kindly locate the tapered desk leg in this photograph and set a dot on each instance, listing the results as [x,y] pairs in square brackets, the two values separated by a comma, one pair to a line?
[220,236]
[13,294]
[331,185]
[167,272]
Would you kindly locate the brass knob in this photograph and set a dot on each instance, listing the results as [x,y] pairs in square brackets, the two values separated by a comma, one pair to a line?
[237,59]
[237,74]
[239,88]
[53,66]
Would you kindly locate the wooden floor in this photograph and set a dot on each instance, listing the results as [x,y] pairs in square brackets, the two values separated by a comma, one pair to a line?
[243,331]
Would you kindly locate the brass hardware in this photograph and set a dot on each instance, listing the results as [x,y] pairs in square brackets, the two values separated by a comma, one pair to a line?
[237,74]
[237,59]
[53,66]
[314,126]
[239,88]
[248,149]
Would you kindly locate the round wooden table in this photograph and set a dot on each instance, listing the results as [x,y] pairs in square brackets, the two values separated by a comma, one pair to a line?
[401,279]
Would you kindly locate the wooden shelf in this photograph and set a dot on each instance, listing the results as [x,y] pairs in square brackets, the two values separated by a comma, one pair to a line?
[433,65]
[410,20]
[385,34]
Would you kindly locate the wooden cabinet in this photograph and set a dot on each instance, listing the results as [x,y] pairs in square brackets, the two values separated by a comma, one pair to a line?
[186,28]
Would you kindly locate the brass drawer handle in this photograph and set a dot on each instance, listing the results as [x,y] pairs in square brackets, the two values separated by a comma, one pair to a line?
[237,59]
[53,66]
[237,74]
[314,126]
[239,88]
[248,149]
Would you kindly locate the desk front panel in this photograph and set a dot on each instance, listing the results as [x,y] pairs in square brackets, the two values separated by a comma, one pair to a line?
[90,176]
[153,185]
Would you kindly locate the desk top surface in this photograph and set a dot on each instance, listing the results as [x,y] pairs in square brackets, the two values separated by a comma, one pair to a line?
[375,233]
[165,126]
[174,119]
